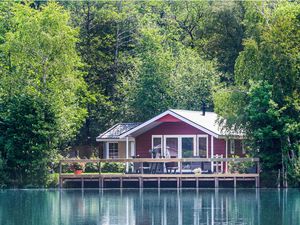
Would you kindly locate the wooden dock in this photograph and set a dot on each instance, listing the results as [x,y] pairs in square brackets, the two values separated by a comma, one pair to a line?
[141,178]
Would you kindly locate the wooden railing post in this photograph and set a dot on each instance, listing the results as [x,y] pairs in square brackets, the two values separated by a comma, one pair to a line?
[99,164]
[59,177]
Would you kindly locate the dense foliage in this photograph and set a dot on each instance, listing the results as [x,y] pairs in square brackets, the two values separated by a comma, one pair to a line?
[42,91]
[71,69]
[265,98]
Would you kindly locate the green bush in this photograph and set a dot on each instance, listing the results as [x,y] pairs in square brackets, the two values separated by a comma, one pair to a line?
[52,181]
[91,167]
[113,167]
[240,167]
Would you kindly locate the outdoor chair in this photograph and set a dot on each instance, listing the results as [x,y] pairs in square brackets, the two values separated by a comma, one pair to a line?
[171,167]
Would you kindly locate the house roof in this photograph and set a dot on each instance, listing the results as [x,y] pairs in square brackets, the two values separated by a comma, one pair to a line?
[117,130]
[208,123]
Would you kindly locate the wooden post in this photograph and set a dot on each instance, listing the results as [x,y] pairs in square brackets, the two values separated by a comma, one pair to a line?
[121,182]
[141,182]
[180,167]
[197,182]
[178,182]
[257,182]
[82,183]
[127,154]
[99,164]
[100,186]
[158,182]
[234,182]
[59,177]
[216,182]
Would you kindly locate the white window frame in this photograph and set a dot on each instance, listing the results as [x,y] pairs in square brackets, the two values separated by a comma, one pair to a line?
[107,148]
[197,147]
[161,142]
[243,147]
[179,137]
[232,146]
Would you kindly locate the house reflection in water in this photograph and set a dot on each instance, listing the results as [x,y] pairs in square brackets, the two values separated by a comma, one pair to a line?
[148,207]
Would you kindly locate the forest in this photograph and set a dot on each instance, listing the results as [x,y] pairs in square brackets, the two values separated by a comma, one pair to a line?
[71,69]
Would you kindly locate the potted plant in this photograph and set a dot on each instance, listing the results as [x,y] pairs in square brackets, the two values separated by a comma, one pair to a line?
[78,168]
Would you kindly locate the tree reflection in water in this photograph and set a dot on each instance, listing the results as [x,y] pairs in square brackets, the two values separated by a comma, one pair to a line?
[150,206]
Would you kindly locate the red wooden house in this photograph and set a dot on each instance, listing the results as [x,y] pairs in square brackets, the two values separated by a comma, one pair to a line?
[172,134]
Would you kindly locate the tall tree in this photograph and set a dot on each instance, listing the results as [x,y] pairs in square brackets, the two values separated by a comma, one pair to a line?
[42,91]
[107,39]
[271,116]
[151,85]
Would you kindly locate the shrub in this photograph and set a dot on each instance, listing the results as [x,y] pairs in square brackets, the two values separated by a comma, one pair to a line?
[113,167]
[240,167]
[91,167]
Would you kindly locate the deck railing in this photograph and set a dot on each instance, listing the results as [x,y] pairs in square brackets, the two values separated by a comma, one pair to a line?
[175,165]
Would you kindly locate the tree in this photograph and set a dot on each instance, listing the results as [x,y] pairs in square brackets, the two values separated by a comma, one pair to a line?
[194,80]
[42,90]
[107,33]
[270,61]
[151,85]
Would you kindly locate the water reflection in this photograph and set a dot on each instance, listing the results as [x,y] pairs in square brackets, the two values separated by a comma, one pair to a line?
[136,207]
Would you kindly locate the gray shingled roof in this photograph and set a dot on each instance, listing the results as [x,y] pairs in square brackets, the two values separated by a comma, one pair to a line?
[117,130]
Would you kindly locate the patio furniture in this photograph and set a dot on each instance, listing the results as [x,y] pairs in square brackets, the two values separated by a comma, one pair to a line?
[156,167]
[171,167]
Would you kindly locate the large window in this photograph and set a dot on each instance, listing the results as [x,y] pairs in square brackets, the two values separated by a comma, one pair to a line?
[202,147]
[113,150]
[157,145]
[187,147]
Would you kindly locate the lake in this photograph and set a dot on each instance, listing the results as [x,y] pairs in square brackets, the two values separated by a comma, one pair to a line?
[150,206]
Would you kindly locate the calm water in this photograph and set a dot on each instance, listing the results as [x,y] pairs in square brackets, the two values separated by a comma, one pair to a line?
[130,207]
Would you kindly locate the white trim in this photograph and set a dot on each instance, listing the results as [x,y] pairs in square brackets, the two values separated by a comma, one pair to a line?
[197,147]
[172,114]
[232,146]
[243,147]
[132,149]
[114,139]
[212,151]
[106,150]
[226,152]
[126,153]
[127,148]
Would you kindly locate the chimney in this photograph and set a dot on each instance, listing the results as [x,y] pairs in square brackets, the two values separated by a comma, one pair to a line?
[203,108]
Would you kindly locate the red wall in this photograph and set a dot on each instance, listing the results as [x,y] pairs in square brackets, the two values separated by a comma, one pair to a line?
[143,141]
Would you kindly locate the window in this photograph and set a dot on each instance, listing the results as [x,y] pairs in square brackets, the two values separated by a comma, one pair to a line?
[157,144]
[202,147]
[113,150]
[232,146]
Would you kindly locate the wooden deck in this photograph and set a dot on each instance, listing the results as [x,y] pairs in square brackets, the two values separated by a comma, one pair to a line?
[142,177]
